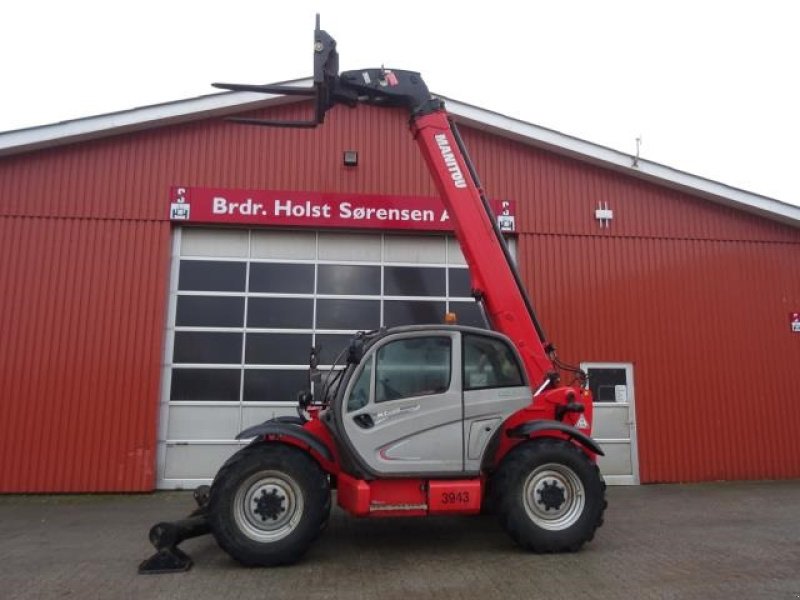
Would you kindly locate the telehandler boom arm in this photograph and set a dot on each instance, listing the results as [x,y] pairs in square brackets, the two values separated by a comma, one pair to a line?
[495,280]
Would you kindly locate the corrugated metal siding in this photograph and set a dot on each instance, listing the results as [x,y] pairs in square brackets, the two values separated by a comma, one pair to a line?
[560,195]
[82,328]
[705,324]
[695,294]
[125,176]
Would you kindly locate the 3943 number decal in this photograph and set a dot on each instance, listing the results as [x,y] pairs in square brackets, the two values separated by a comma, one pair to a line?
[455,497]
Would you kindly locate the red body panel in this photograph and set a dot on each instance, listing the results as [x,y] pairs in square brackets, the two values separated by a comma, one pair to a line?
[408,497]
[491,276]
[459,496]
[383,497]
[353,495]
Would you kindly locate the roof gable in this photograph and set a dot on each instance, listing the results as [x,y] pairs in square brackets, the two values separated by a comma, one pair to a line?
[227,103]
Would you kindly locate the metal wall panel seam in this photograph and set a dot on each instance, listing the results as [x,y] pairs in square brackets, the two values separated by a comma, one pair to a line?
[118,323]
[92,312]
[136,353]
[70,327]
[30,418]
[9,366]
[138,380]
[52,355]
[35,416]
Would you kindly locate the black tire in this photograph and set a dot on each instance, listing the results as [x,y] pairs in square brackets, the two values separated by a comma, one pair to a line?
[268,503]
[549,496]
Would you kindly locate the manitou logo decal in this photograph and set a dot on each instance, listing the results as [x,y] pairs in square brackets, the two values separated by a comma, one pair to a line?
[450,160]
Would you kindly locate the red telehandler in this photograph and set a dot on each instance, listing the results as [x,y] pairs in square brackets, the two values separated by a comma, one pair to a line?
[417,420]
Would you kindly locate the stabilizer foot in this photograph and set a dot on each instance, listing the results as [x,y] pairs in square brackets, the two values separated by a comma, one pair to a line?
[166,536]
[166,560]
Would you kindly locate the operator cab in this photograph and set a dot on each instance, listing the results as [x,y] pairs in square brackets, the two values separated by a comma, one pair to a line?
[424,400]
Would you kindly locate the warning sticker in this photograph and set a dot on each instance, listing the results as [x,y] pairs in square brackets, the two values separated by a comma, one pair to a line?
[582,423]
[794,322]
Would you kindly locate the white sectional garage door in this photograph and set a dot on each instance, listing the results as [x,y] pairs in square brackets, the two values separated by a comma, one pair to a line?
[246,306]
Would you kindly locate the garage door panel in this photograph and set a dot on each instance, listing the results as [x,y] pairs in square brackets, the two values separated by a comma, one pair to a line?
[459,282]
[273,385]
[297,245]
[196,461]
[349,247]
[255,415]
[454,254]
[214,242]
[410,312]
[414,281]
[283,313]
[212,276]
[331,347]
[209,311]
[348,314]
[277,348]
[349,280]
[207,347]
[206,385]
[411,249]
[468,313]
[245,308]
[203,422]
[281,278]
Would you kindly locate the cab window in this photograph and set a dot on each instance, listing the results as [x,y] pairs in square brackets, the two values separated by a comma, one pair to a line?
[359,393]
[489,363]
[410,367]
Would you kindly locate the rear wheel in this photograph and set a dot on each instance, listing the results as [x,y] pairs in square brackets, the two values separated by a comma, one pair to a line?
[268,503]
[549,496]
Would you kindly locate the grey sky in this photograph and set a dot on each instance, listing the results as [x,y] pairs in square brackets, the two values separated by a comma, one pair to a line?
[711,86]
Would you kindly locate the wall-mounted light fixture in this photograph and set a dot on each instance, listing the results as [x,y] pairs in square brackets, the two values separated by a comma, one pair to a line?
[350,158]
[603,214]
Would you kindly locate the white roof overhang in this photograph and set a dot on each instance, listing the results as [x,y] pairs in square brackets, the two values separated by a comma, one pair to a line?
[227,103]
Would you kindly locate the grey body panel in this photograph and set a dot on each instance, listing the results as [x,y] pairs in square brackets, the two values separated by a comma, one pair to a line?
[444,433]
[418,434]
[484,412]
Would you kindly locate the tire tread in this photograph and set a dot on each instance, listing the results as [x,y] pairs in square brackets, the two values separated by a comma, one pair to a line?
[317,504]
[506,497]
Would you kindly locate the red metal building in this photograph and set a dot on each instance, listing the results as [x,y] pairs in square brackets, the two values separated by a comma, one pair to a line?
[640,271]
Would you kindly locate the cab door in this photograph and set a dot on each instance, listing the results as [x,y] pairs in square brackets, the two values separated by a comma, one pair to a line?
[403,411]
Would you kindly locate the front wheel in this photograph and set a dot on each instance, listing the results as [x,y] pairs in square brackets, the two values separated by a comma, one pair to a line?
[267,504]
[549,496]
